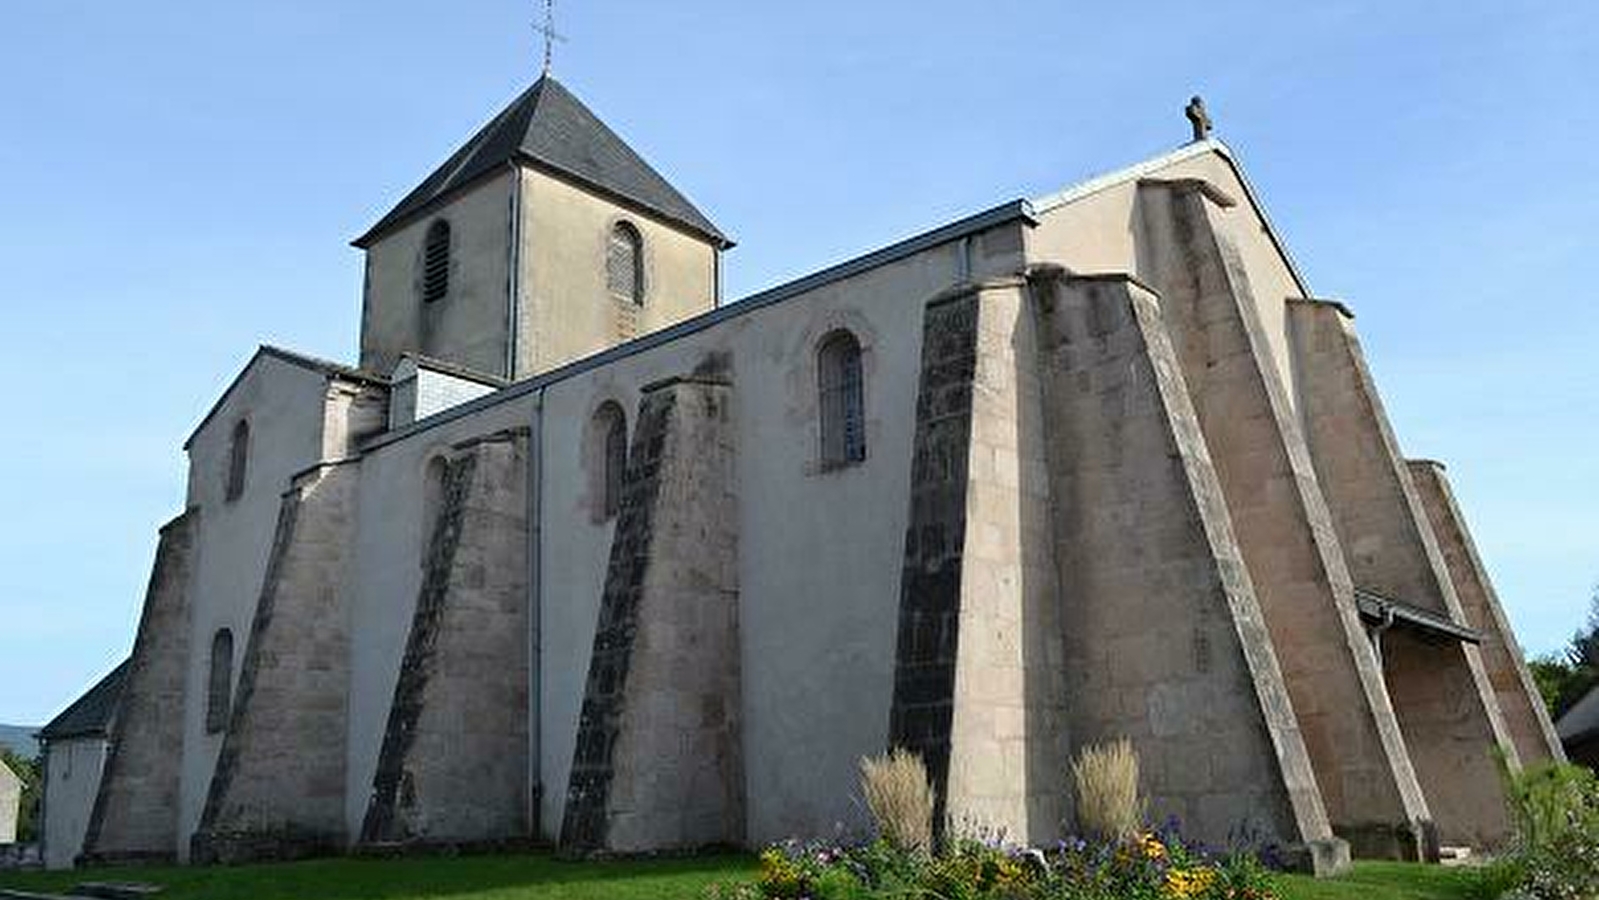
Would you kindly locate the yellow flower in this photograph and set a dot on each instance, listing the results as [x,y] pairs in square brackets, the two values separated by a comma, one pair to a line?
[779,874]
[1153,848]
[1188,883]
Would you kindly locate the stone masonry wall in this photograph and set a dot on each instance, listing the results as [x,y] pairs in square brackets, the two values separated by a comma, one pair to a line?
[453,765]
[1005,710]
[658,765]
[135,815]
[922,716]
[278,788]
[1446,707]
[1525,715]
[1165,642]
[1282,524]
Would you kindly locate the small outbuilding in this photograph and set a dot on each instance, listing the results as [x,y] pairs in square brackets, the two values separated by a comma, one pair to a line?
[75,744]
[10,803]
[1579,730]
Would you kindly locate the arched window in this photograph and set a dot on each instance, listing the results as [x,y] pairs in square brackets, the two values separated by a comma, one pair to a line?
[842,403]
[219,687]
[609,440]
[238,460]
[433,478]
[436,262]
[624,262]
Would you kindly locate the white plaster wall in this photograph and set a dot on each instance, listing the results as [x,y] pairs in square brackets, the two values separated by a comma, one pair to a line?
[1099,233]
[385,576]
[820,552]
[284,404]
[72,779]
[567,311]
[437,391]
[470,328]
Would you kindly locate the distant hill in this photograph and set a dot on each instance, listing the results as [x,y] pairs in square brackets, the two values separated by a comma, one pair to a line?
[20,739]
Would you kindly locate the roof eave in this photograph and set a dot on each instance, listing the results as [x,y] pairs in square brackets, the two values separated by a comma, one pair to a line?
[390,223]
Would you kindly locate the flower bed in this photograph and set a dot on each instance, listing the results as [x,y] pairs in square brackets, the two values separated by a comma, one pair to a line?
[1152,866]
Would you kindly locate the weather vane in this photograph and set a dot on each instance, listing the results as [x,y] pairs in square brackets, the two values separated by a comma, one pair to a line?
[550,34]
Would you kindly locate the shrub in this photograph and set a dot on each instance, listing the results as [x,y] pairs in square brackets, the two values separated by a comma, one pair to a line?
[1105,780]
[900,798]
[1555,808]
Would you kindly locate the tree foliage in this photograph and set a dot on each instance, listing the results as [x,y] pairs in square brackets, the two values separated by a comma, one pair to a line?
[1568,675]
[29,770]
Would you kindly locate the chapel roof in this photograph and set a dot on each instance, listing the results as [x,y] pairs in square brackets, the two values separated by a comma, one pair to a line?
[551,129]
[1581,721]
[90,715]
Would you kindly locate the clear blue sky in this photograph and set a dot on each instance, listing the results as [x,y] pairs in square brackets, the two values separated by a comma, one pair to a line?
[180,180]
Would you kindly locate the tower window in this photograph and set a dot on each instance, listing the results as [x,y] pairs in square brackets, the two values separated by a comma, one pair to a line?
[841,391]
[238,461]
[609,439]
[624,263]
[436,262]
[219,687]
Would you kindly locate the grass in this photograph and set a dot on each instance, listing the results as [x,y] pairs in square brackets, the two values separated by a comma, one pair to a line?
[544,878]
[456,878]
[1389,881]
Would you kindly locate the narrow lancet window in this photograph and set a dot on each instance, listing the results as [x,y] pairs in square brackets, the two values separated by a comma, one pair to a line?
[436,262]
[624,263]
[219,688]
[842,400]
[610,443]
[238,460]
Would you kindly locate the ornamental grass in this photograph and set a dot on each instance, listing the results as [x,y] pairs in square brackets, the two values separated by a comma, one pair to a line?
[900,798]
[1105,781]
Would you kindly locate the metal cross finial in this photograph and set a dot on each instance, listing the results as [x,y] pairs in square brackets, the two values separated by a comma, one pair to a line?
[1197,117]
[550,34]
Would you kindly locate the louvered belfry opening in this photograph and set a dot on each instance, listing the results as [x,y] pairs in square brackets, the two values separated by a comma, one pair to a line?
[436,262]
[624,270]
[842,400]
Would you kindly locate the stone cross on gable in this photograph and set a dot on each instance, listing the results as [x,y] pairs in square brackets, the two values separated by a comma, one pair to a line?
[550,34]
[1198,118]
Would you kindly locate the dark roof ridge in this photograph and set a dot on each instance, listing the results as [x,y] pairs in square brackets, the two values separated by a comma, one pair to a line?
[92,712]
[549,128]
[324,367]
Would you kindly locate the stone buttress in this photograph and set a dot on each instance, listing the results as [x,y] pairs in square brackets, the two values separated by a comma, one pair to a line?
[278,789]
[978,665]
[1525,714]
[453,764]
[1166,643]
[1069,571]
[1438,684]
[657,763]
[1282,522]
[135,815]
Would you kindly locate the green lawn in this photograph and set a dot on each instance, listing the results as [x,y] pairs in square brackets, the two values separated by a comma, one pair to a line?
[457,878]
[1388,881]
[544,878]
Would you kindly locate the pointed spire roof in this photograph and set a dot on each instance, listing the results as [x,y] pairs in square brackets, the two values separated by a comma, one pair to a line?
[550,129]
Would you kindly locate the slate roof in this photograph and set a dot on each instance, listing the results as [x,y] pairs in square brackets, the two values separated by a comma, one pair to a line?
[1581,721]
[90,715]
[551,129]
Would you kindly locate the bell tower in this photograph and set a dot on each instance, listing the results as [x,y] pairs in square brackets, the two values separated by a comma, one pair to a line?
[543,239]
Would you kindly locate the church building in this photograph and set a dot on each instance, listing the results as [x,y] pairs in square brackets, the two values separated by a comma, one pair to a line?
[577,553]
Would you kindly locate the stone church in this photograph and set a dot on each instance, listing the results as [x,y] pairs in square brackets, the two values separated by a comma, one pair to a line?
[578,553]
